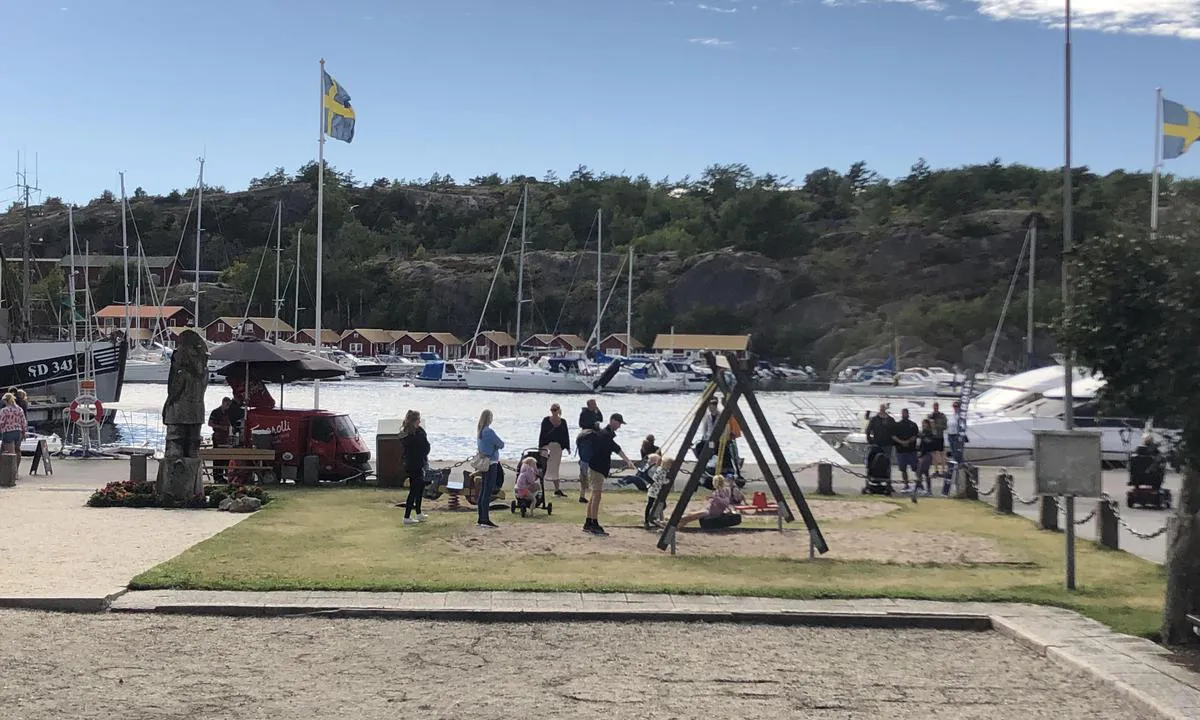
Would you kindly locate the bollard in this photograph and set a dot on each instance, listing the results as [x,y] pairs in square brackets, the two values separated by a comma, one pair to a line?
[1004,494]
[137,467]
[1106,526]
[825,479]
[1048,515]
[969,487]
[9,463]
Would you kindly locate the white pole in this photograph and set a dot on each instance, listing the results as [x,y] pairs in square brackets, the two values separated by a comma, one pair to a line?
[599,248]
[1158,137]
[629,307]
[1068,240]
[71,294]
[521,264]
[278,254]
[125,254]
[1032,271]
[199,226]
[296,306]
[320,230]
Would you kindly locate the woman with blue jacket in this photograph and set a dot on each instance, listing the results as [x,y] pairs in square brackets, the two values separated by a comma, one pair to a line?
[488,444]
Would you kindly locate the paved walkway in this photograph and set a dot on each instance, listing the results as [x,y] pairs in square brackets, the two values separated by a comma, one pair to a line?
[60,553]
[1139,670]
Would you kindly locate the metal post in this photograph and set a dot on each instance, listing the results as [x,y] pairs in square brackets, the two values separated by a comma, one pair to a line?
[521,264]
[1158,134]
[1069,531]
[125,255]
[1032,274]
[1068,233]
[199,230]
[599,248]
[320,231]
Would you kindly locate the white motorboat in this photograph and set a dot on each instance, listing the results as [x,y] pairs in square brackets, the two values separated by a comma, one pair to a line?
[147,370]
[550,374]
[641,375]
[882,384]
[1001,421]
[400,366]
[54,443]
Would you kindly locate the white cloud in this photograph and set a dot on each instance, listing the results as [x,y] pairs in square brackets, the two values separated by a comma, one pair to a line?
[710,42]
[712,8]
[1178,18]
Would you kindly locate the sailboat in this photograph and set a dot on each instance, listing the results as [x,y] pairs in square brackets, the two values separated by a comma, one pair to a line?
[50,372]
[558,374]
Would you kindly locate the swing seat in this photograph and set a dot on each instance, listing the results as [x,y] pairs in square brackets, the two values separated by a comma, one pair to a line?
[759,505]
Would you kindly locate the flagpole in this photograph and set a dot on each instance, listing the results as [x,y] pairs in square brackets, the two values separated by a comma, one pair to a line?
[320,231]
[1068,233]
[1158,132]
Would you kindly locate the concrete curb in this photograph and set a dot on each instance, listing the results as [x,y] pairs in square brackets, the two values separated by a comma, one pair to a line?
[878,621]
[93,604]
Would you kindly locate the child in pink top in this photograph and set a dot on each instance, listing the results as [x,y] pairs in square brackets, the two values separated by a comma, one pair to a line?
[527,480]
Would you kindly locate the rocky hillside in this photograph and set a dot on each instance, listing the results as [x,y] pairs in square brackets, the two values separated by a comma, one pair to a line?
[824,272]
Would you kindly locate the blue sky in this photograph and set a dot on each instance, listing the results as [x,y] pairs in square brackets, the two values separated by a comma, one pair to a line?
[660,87]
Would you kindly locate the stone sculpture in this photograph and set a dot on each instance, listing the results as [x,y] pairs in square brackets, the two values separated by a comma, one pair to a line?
[179,479]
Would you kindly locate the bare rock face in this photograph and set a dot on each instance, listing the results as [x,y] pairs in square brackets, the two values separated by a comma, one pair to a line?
[734,281]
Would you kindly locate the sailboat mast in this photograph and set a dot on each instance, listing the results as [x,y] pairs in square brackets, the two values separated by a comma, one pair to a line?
[199,226]
[1029,313]
[278,254]
[71,289]
[599,247]
[296,304]
[521,262]
[629,307]
[125,253]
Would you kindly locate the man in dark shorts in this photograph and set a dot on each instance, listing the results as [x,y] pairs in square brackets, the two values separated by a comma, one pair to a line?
[904,437]
[604,444]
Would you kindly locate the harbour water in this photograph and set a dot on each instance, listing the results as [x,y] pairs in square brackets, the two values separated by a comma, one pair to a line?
[450,415]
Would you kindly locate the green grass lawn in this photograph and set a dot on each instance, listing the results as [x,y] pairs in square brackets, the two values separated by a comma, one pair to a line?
[352,539]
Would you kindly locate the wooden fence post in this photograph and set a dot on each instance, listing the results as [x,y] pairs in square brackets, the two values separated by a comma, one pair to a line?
[1004,494]
[1048,517]
[825,479]
[1107,534]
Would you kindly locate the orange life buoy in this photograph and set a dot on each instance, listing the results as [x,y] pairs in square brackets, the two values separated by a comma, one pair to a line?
[85,418]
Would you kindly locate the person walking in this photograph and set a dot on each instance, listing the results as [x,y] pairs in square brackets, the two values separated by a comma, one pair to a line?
[12,425]
[488,444]
[604,444]
[554,439]
[590,420]
[416,457]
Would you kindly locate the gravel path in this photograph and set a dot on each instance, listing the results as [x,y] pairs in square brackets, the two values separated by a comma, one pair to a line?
[52,544]
[93,667]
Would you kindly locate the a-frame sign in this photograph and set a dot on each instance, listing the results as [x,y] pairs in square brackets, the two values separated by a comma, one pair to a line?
[732,381]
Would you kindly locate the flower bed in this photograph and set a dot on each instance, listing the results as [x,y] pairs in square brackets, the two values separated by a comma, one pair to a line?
[136,494]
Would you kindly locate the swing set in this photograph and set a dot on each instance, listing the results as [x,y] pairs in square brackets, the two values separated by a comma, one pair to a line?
[731,378]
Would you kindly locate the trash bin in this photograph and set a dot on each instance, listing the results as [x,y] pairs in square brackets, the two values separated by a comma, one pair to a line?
[262,439]
[389,453]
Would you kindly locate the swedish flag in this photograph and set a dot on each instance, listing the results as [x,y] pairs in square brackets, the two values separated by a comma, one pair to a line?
[1181,128]
[339,116]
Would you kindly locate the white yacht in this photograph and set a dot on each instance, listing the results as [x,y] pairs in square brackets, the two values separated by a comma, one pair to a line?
[442,374]
[643,375]
[884,384]
[549,374]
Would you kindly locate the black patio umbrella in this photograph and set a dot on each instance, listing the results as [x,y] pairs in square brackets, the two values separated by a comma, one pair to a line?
[249,349]
[300,367]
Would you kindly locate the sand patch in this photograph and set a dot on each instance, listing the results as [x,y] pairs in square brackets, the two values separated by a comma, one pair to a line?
[823,510]
[539,537]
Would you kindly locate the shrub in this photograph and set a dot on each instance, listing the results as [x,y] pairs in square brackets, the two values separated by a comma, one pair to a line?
[131,493]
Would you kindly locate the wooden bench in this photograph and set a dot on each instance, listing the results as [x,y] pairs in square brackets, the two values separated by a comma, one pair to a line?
[250,459]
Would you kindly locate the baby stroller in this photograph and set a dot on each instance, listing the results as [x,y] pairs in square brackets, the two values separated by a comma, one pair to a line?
[539,497]
[879,471]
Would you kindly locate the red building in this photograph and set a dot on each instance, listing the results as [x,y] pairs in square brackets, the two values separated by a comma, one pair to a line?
[446,345]
[145,321]
[366,342]
[616,344]
[224,329]
[493,344]
[329,338]
[164,270]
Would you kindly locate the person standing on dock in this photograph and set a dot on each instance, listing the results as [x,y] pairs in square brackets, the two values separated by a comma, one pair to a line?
[553,440]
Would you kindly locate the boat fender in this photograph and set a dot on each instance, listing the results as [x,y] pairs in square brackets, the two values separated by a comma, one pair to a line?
[86,419]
